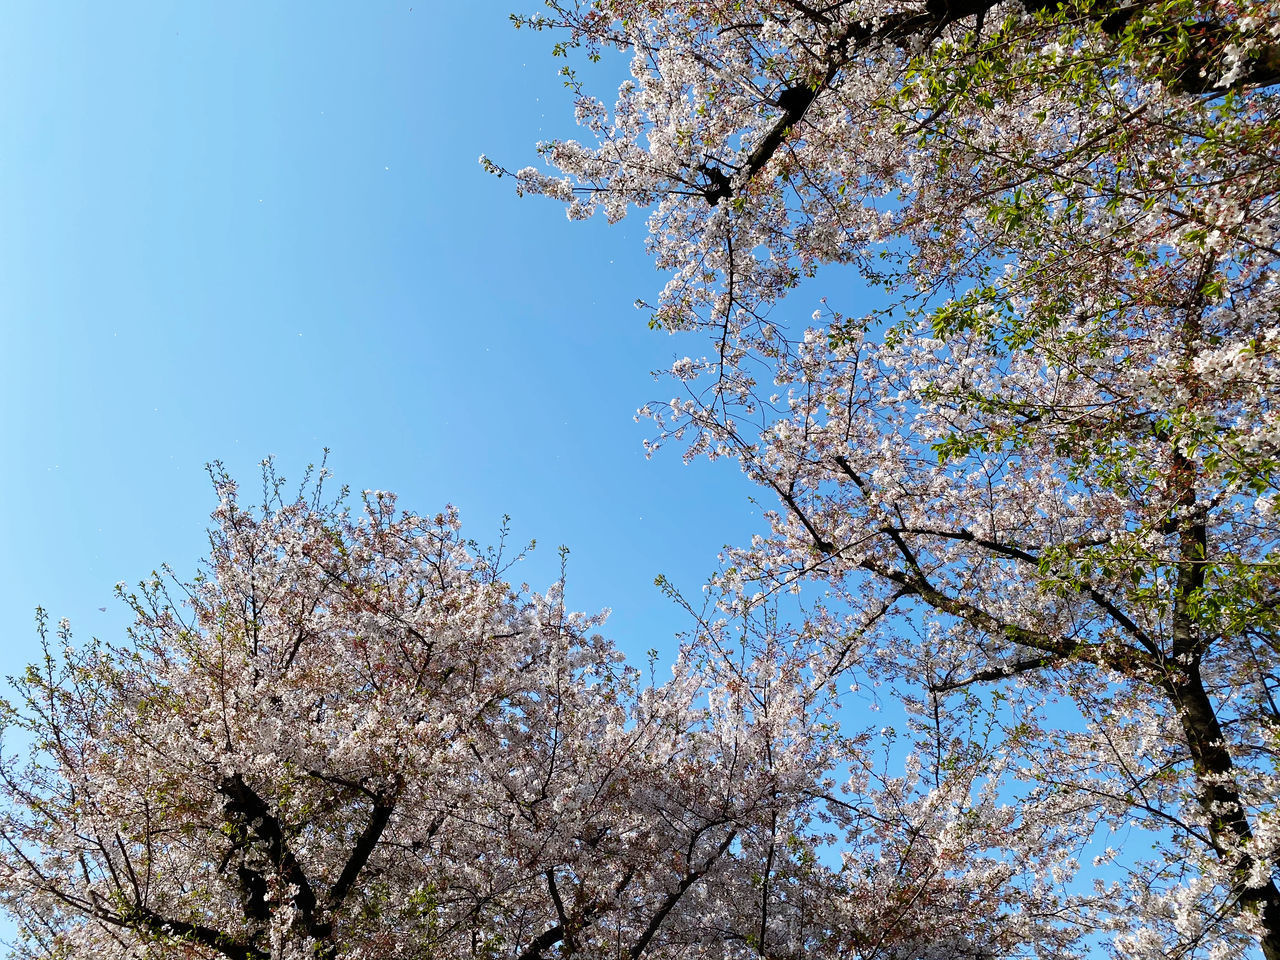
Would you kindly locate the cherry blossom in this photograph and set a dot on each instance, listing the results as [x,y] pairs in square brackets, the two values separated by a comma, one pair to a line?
[349,735]
[1053,452]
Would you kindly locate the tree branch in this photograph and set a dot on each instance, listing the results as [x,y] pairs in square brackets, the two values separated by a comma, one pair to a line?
[674,896]
[1018,553]
[145,919]
[369,837]
[1195,75]
[248,811]
[998,672]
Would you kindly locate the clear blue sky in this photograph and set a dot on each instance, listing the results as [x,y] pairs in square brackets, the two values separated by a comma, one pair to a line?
[229,230]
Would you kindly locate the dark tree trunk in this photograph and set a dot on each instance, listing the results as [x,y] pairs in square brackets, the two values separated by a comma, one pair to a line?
[1220,799]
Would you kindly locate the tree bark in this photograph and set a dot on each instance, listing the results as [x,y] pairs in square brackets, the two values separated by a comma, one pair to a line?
[1219,797]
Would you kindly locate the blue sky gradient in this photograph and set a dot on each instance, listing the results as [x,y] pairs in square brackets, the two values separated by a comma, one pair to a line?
[236,230]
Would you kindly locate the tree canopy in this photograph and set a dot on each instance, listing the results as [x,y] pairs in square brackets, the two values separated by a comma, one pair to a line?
[349,736]
[1044,458]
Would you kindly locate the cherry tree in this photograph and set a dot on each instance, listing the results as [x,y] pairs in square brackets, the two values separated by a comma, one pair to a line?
[348,735]
[1044,458]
